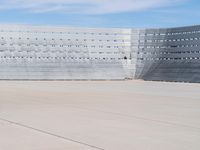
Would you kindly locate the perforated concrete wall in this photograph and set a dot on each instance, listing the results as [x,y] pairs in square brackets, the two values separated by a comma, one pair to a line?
[55,53]
[169,54]
[31,52]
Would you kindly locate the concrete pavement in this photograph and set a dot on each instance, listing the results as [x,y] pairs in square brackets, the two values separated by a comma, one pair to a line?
[110,115]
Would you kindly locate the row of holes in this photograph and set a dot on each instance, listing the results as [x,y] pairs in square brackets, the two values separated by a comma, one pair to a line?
[85,46]
[168,40]
[68,52]
[69,33]
[170,33]
[21,57]
[176,58]
[45,39]
[177,52]
[169,46]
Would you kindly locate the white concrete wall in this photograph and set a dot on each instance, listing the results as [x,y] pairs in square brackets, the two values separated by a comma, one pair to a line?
[31,52]
[42,52]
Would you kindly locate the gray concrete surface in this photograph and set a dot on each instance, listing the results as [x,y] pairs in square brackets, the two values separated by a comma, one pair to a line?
[110,115]
[169,55]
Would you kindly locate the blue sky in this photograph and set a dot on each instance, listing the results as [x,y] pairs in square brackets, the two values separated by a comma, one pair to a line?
[101,13]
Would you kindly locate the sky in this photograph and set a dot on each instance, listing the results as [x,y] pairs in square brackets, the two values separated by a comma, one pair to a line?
[101,13]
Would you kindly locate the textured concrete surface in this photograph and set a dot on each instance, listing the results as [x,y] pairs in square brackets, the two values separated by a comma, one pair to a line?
[50,53]
[169,54]
[67,53]
[117,115]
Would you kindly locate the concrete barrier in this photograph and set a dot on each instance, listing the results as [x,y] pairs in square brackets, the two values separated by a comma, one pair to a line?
[66,53]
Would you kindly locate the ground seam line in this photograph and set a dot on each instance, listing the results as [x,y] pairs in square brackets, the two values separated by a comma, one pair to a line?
[49,133]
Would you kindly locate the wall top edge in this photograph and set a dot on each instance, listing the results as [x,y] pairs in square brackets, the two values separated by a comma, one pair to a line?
[56,27]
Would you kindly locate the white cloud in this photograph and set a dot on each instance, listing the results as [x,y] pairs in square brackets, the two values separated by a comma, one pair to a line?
[84,6]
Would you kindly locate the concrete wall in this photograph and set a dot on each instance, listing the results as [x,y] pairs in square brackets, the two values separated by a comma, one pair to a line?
[40,52]
[169,54]
[31,52]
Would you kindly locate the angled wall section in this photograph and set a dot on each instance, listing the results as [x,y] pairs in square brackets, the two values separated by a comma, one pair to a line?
[169,54]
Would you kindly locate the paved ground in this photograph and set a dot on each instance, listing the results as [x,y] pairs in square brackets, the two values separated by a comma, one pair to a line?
[116,115]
